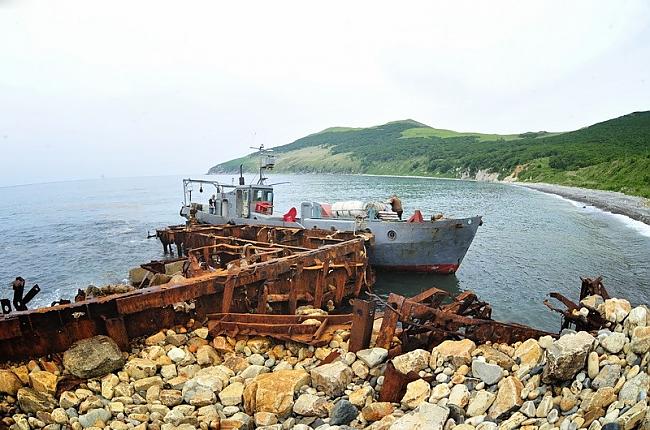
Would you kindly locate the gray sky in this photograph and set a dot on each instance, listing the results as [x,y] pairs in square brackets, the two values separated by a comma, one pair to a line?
[128,88]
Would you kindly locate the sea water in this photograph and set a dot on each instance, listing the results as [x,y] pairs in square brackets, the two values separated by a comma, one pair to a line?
[67,235]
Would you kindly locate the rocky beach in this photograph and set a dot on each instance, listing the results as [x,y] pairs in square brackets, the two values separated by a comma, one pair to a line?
[637,208]
[183,378]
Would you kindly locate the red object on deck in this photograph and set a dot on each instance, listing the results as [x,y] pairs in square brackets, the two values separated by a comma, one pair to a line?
[264,207]
[291,215]
[416,217]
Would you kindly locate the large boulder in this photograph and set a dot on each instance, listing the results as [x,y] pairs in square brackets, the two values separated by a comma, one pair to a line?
[412,361]
[332,378]
[274,392]
[32,401]
[457,352]
[9,382]
[93,357]
[567,356]
[508,397]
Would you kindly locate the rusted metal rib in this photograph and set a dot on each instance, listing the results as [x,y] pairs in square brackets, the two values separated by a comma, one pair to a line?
[234,273]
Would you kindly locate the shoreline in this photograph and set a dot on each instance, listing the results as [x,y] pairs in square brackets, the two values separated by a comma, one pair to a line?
[636,208]
[189,377]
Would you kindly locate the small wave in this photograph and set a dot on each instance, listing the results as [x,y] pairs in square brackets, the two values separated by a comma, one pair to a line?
[638,226]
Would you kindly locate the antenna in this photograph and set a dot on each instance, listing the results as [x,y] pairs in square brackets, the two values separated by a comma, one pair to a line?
[267,161]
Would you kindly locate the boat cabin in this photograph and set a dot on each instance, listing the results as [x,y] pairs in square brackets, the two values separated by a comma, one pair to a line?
[230,201]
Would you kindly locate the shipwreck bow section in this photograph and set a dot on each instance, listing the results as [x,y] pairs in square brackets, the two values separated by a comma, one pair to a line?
[238,269]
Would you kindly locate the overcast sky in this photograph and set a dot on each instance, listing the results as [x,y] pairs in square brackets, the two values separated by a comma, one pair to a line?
[128,88]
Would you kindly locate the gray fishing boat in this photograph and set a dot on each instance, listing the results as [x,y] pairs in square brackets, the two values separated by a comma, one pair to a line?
[419,245]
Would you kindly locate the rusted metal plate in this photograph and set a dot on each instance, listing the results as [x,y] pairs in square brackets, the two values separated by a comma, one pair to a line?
[363,316]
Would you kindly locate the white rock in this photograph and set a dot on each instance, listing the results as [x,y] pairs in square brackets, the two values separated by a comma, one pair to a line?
[480,403]
[232,394]
[438,392]
[332,378]
[424,417]
[309,405]
[373,356]
[459,396]
[613,343]
[176,354]
[417,393]
[412,361]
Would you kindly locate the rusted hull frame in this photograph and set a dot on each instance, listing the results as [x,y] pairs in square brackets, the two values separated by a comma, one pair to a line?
[571,317]
[429,324]
[282,327]
[282,284]
[427,321]
[195,236]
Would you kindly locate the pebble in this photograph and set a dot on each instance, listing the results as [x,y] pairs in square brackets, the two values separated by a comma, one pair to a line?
[458,390]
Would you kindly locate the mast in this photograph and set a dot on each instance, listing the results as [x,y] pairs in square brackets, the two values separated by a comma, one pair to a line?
[267,162]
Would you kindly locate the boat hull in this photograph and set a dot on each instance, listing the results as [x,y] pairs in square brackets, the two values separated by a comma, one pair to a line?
[432,246]
[436,247]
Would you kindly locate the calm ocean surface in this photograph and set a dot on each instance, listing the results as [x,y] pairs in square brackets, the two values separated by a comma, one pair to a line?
[67,235]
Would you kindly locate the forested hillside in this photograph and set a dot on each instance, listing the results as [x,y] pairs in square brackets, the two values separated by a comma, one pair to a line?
[611,155]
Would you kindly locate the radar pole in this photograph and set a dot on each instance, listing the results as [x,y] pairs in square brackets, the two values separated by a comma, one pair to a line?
[267,161]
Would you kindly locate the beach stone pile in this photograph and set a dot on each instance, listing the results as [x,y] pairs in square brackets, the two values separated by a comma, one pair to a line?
[184,379]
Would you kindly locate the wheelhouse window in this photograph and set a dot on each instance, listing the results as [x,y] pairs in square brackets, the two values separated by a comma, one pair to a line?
[258,195]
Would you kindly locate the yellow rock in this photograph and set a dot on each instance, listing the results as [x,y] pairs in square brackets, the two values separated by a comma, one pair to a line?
[9,382]
[222,345]
[529,354]
[43,382]
[600,399]
[457,352]
[508,396]
[259,345]
[273,392]
[376,411]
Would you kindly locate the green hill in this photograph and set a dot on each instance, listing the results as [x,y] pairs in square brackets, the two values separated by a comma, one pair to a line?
[611,155]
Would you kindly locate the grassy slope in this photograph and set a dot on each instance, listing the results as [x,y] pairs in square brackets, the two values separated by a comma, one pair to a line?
[612,155]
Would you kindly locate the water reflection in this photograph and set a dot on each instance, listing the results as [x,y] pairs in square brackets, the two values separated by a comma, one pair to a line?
[409,284]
